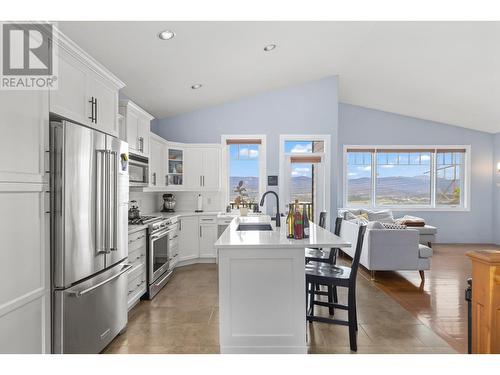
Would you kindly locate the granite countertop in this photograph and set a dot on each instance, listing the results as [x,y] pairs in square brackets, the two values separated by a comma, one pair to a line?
[231,238]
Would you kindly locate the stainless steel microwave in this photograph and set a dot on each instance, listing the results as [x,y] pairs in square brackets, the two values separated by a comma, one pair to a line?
[138,170]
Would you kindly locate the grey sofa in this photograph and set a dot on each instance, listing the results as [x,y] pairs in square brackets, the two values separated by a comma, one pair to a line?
[392,249]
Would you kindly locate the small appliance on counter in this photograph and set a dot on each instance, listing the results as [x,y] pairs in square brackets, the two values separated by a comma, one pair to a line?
[133,211]
[168,203]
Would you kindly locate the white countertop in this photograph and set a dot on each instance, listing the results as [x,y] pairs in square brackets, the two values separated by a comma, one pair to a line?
[183,213]
[318,237]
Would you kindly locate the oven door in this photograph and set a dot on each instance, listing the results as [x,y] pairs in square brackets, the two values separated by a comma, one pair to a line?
[158,255]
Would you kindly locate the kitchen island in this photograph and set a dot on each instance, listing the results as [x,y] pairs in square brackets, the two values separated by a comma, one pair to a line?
[262,300]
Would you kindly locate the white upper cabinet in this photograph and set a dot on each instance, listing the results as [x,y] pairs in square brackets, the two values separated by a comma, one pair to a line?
[87,93]
[157,162]
[202,168]
[105,104]
[193,167]
[70,98]
[136,127]
[24,128]
[211,169]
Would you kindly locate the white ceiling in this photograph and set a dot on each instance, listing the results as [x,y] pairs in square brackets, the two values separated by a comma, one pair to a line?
[442,71]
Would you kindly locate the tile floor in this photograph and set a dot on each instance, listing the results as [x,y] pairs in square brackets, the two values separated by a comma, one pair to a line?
[183,318]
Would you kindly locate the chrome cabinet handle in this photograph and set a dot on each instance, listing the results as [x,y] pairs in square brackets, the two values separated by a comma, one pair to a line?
[141,144]
[166,179]
[154,178]
[200,231]
[203,179]
[80,293]
[91,101]
[95,102]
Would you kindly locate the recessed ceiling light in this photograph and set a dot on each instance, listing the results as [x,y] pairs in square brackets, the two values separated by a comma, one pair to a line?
[166,35]
[196,86]
[269,47]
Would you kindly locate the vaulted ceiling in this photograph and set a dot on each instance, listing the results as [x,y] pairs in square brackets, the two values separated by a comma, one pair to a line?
[442,71]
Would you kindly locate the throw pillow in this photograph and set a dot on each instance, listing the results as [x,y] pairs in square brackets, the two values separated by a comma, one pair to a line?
[349,216]
[384,216]
[393,226]
[374,225]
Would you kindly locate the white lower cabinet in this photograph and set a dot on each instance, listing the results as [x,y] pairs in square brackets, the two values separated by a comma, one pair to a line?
[188,238]
[25,303]
[137,281]
[197,236]
[208,236]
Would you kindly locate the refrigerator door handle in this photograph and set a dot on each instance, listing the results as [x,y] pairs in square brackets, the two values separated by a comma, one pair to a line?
[80,293]
[107,198]
[100,202]
[113,161]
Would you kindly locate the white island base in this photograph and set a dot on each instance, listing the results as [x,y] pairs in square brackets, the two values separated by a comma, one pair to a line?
[262,301]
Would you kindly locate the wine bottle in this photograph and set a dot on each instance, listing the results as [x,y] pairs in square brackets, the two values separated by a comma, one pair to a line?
[305,221]
[298,229]
[289,222]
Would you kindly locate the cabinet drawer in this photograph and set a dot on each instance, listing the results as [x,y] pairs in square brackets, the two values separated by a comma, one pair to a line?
[208,219]
[136,241]
[136,288]
[137,257]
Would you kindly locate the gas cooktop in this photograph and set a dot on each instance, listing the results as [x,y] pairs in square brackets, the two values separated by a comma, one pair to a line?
[144,220]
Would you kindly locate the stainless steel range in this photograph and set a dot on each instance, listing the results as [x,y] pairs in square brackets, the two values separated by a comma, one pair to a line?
[162,253]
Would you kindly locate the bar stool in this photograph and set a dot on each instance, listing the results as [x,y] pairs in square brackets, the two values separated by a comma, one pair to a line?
[325,256]
[336,276]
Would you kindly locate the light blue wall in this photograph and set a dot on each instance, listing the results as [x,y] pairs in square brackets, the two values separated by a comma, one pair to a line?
[496,189]
[310,108]
[359,125]
[313,108]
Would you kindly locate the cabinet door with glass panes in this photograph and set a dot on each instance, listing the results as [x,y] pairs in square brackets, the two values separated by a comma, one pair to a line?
[175,165]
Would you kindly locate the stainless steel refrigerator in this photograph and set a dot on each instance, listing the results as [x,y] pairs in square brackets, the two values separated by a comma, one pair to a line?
[89,197]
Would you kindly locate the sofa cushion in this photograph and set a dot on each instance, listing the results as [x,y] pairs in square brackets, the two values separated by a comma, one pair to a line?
[358,219]
[424,251]
[426,229]
[384,216]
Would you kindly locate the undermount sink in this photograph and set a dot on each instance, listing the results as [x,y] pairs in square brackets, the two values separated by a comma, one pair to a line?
[257,227]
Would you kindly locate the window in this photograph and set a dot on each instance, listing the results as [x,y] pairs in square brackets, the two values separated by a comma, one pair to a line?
[359,178]
[405,177]
[245,169]
[304,147]
[304,173]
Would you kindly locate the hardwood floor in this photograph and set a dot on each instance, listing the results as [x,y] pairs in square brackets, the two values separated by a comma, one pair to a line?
[183,318]
[439,303]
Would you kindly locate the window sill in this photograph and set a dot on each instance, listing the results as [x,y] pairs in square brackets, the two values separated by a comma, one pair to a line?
[411,209]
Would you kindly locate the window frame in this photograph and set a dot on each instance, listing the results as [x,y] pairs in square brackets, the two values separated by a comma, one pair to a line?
[466,170]
[283,190]
[226,161]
